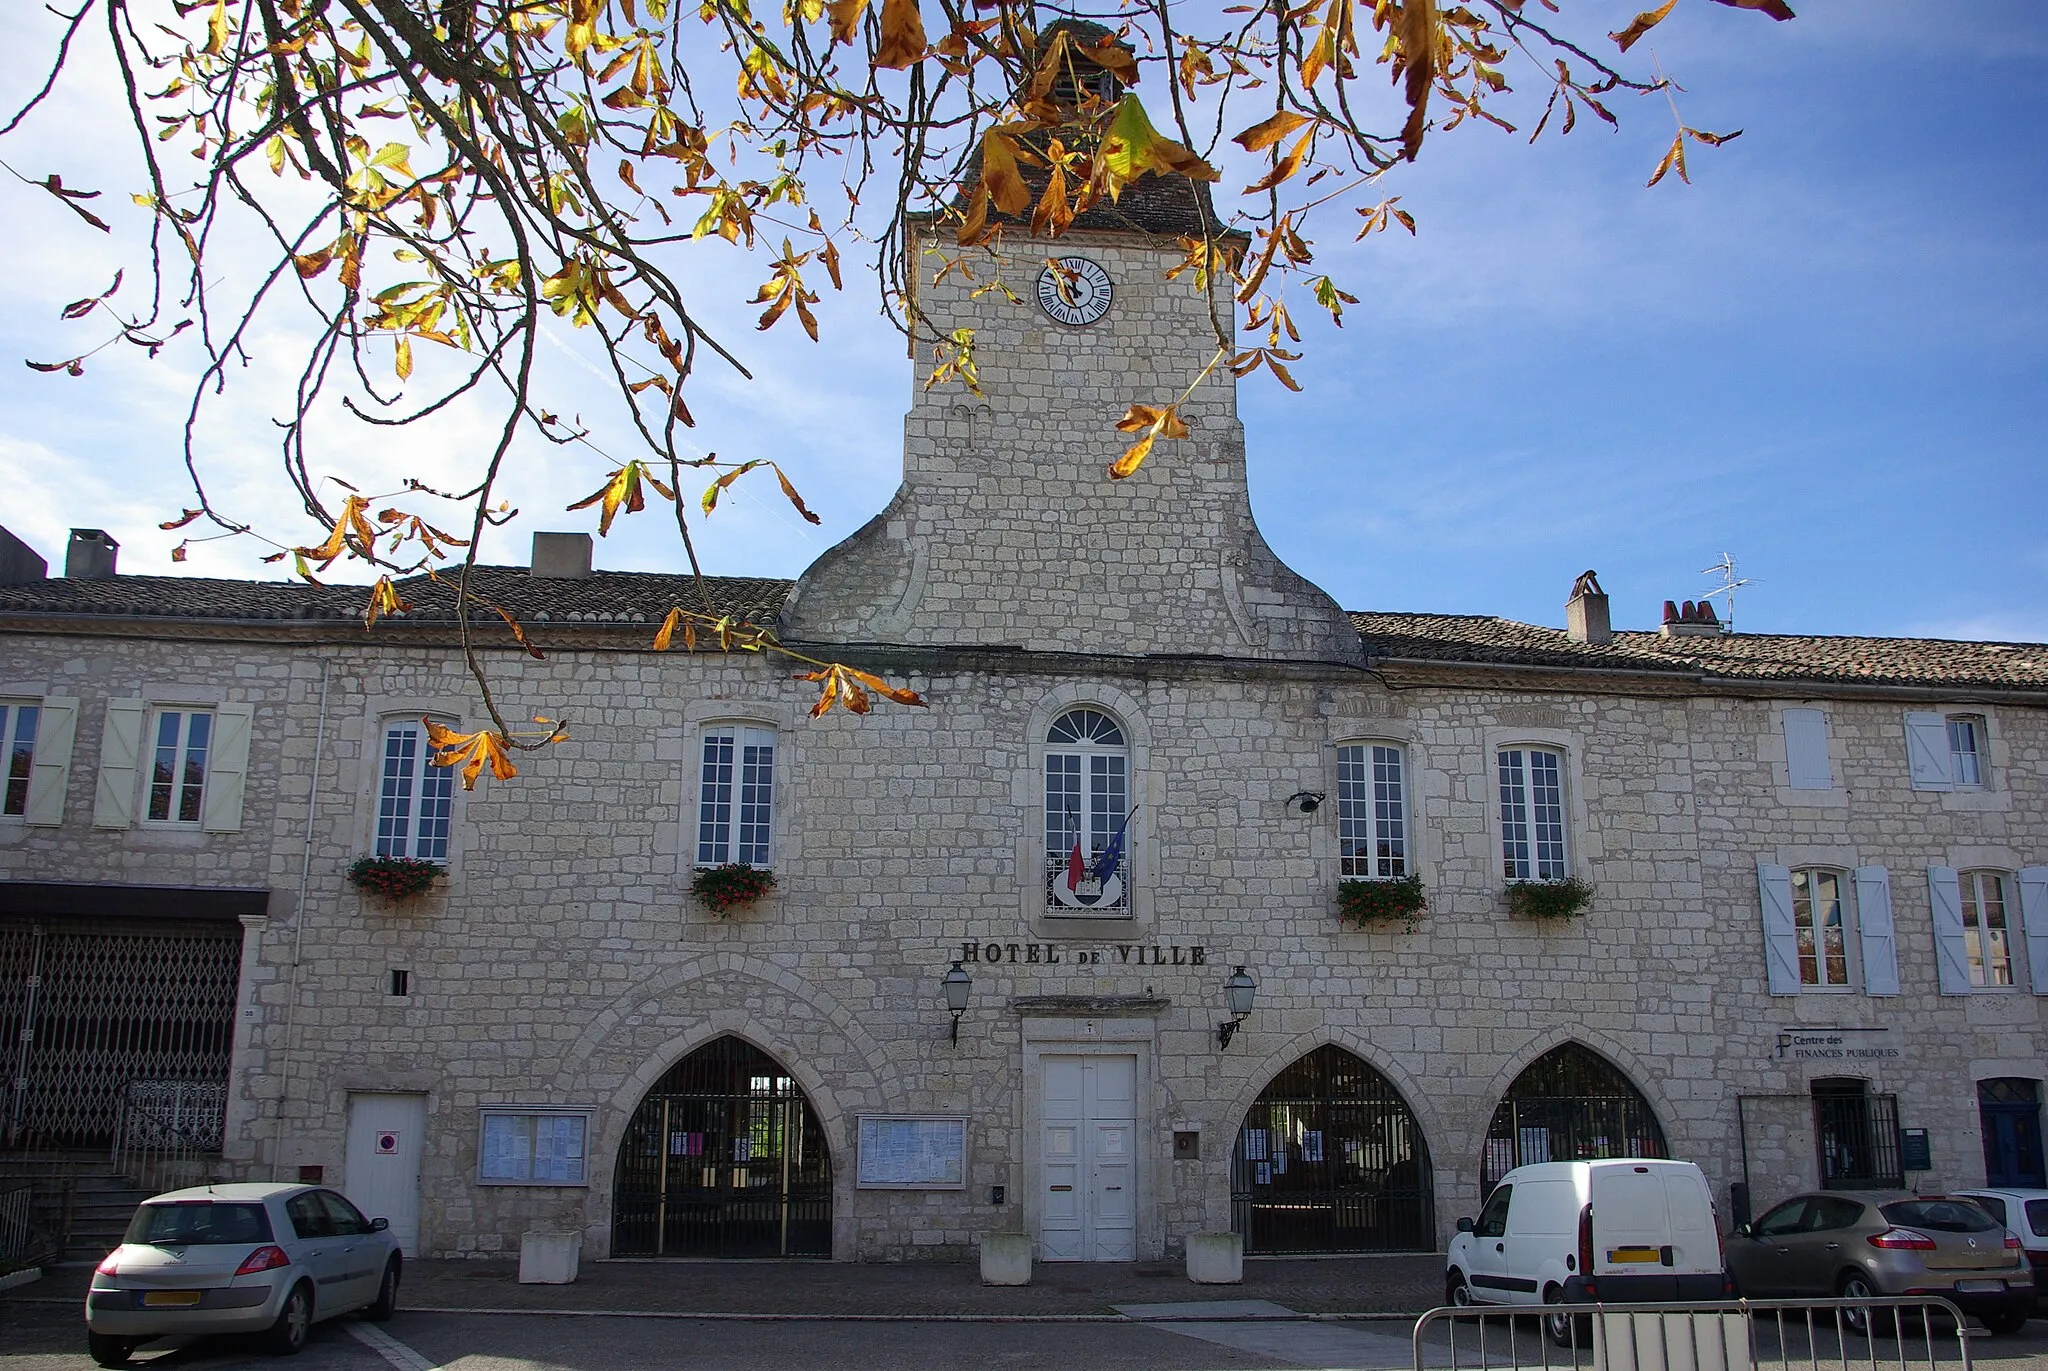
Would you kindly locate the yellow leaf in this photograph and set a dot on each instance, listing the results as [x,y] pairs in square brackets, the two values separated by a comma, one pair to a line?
[845,16]
[999,173]
[621,488]
[1674,159]
[1267,132]
[1133,147]
[668,630]
[790,491]
[217,27]
[1641,25]
[383,600]
[902,35]
[1285,167]
[402,358]
[471,751]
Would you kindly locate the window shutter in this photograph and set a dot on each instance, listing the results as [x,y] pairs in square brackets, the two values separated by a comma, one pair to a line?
[1806,749]
[227,769]
[113,801]
[50,775]
[1951,953]
[2033,882]
[1781,939]
[1874,922]
[1927,751]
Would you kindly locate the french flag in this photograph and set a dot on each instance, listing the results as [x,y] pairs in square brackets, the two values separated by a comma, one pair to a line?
[1077,865]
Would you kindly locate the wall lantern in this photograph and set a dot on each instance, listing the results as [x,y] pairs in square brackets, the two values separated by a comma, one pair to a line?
[958,985]
[1307,801]
[1238,992]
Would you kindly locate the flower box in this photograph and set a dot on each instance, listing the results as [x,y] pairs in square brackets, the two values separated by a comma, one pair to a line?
[394,878]
[1565,899]
[721,888]
[1369,904]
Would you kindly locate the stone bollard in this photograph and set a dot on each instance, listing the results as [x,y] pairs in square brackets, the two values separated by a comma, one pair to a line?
[549,1258]
[1215,1259]
[1006,1259]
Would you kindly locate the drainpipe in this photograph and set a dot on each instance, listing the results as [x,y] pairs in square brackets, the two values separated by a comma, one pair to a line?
[291,1005]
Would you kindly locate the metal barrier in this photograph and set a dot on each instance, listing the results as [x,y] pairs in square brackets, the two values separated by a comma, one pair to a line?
[168,1133]
[1739,1335]
[17,1234]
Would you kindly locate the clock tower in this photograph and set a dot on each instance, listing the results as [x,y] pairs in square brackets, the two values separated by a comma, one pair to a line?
[1007,530]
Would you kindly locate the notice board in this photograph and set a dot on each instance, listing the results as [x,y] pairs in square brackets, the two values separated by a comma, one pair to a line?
[912,1152]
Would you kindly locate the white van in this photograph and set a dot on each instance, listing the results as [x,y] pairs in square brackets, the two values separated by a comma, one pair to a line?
[1625,1229]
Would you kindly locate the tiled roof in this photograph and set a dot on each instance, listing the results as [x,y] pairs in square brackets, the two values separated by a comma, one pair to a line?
[602,597]
[1482,638]
[644,598]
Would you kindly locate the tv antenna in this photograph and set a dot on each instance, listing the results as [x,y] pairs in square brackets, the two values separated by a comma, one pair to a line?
[1730,583]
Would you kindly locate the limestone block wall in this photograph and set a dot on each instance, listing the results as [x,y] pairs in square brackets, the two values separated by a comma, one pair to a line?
[564,964]
[1004,531]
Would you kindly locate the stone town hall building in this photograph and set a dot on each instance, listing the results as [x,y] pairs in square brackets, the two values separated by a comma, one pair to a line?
[1813,953]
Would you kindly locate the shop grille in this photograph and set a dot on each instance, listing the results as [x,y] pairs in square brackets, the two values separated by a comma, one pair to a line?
[1569,1105]
[1330,1160]
[84,1011]
[723,1158]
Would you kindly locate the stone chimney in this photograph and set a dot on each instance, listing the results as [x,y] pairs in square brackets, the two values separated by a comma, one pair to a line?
[1689,620]
[19,563]
[1585,614]
[90,555]
[560,556]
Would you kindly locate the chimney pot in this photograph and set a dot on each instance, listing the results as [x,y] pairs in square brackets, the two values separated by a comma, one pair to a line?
[560,556]
[1671,611]
[19,563]
[1586,617]
[89,556]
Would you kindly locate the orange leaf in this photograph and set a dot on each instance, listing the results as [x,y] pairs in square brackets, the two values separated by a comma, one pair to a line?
[1284,167]
[1267,132]
[1641,25]
[902,35]
[794,498]
[1674,160]
[180,522]
[668,629]
[383,600]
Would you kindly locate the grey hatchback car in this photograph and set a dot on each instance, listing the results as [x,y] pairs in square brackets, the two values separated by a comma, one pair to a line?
[1864,1246]
[271,1259]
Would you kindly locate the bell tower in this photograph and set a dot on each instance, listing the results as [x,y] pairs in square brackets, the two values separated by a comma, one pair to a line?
[1007,530]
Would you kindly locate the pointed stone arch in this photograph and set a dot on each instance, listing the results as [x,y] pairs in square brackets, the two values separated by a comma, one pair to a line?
[1331,1158]
[1570,1103]
[724,1156]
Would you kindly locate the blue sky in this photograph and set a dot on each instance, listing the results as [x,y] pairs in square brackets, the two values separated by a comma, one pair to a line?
[1824,357]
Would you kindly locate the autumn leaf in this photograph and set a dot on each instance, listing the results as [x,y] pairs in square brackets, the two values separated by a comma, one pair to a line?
[718,487]
[383,600]
[899,694]
[1641,25]
[621,488]
[1417,34]
[350,525]
[668,630]
[1674,160]
[187,517]
[1133,147]
[999,172]
[789,491]
[471,751]
[902,35]
[1153,424]
[1267,132]
[1777,9]
[1284,167]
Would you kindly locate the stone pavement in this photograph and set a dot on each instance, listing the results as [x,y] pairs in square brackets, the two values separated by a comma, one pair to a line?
[1390,1285]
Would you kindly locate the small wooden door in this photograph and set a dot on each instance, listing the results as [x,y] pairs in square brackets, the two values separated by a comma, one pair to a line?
[1088,1157]
[385,1137]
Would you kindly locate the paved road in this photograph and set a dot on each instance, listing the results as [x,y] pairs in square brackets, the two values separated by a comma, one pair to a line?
[48,1337]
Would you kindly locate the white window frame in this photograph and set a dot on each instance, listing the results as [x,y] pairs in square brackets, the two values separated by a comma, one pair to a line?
[18,768]
[153,748]
[508,1119]
[1812,939]
[1975,760]
[1970,884]
[717,839]
[1518,812]
[1106,787]
[423,783]
[1374,781]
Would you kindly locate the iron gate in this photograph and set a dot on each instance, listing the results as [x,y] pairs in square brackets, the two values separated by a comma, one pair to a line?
[723,1158]
[1570,1104]
[85,1010]
[1330,1160]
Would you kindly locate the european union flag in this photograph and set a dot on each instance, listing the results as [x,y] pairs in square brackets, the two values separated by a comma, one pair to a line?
[1106,863]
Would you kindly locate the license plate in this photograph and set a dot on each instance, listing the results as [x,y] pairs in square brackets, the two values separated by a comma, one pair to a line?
[157,1299]
[1980,1287]
[1619,1255]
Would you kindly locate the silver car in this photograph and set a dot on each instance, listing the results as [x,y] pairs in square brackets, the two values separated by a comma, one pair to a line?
[1869,1246]
[270,1259]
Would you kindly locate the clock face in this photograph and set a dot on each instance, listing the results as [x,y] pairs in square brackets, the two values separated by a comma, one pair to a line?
[1074,290]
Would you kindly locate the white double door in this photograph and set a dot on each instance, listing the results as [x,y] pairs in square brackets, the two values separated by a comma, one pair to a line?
[1088,1204]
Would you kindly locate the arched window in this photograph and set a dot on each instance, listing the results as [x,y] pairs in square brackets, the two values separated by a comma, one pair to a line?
[1570,1104]
[1087,813]
[414,797]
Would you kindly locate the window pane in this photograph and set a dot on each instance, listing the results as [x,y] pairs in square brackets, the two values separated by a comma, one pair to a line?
[1106,806]
[437,803]
[1985,935]
[1546,806]
[1817,915]
[757,792]
[1354,813]
[1390,813]
[18,734]
[1514,817]
[1062,802]
[714,801]
[198,735]
[164,770]
[395,790]
[1962,743]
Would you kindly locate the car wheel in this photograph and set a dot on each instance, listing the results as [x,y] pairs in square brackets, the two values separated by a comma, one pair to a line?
[2006,1324]
[386,1303]
[294,1321]
[1566,1330]
[108,1350]
[1861,1320]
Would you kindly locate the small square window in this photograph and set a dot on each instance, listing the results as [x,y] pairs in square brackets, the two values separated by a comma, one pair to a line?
[533,1147]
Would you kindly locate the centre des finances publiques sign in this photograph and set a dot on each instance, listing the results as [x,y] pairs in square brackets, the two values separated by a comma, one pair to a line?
[1108,954]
